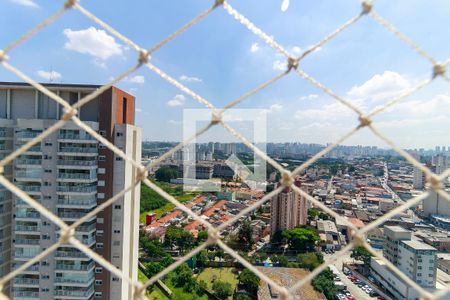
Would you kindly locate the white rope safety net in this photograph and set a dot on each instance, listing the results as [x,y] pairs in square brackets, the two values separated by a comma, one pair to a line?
[438,69]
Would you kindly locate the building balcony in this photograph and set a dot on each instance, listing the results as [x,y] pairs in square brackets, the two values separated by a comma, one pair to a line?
[27,242]
[26,281]
[27,229]
[72,215]
[24,256]
[27,176]
[76,164]
[27,134]
[78,203]
[77,189]
[85,228]
[61,281]
[3,133]
[70,267]
[33,269]
[76,177]
[30,189]
[23,294]
[71,254]
[77,151]
[35,150]
[28,215]
[28,162]
[74,293]
[73,138]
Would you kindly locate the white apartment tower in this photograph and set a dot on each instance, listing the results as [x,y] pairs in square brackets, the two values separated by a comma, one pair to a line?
[69,173]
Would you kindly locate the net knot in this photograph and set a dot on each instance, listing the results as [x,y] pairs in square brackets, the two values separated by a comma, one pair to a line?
[142,173]
[66,234]
[216,117]
[143,56]
[69,113]
[284,294]
[286,178]
[364,121]
[213,236]
[358,239]
[366,7]
[2,169]
[218,3]
[70,4]
[2,56]
[438,70]
[139,292]
[292,64]
[435,182]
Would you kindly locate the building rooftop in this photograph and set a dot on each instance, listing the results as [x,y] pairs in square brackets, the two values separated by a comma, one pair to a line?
[396,229]
[418,245]
[5,84]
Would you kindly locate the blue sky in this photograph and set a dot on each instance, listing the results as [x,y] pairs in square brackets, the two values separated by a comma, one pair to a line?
[220,60]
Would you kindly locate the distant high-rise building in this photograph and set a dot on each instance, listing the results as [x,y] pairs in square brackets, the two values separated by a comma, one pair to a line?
[441,163]
[288,210]
[69,173]
[435,204]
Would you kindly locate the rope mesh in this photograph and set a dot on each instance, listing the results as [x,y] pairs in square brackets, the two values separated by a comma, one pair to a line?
[70,114]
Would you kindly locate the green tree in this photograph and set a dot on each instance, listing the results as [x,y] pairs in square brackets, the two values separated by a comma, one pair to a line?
[302,238]
[281,260]
[362,254]
[324,283]
[313,213]
[249,280]
[166,173]
[150,199]
[222,290]
[203,258]
[152,247]
[184,278]
[310,260]
[245,236]
[202,235]
[178,237]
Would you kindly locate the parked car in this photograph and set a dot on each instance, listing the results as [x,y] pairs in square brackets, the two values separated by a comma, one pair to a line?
[351,298]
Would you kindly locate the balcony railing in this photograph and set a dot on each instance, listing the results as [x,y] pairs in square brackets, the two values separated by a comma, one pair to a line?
[74,281]
[74,293]
[70,267]
[82,163]
[27,281]
[23,174]
[29,188]
[72,136]
[2,133]
[70,254]
[2,147]
[22,294]
[32,215]
[78,150]
[26,241]
[30,269]
[85,228]
[36,148]
[27,134]
[77,176]
[71,215]
[77,189]
[25,255]
[22,161]
[26,228]
[77,202]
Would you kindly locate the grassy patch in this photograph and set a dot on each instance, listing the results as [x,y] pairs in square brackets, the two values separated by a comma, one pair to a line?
[179,293]
[219,274]
[151,201]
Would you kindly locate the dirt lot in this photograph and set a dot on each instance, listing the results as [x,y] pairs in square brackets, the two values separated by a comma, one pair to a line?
[287,277]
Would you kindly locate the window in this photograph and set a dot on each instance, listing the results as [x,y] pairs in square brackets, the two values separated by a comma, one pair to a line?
[99,233]
[101,146]
[47,157]
[117,206]
[99,245]
[119,133]
[101,195]
[98,270]
[116,243]
[101,171]
[101,158]
[45,277]
[101,183]
[98,294]
[116,231]
[102,132]
[116,256]
[98,282]
[47,171]
[115,279]
[118,158]
[45,290]
[48,144]
[47,197]
[100,220]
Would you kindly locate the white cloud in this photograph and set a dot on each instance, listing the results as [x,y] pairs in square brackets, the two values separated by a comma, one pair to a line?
[28,3]
[138,110]
[178,100]
[173,122]
[190,78]
[380,87]
[92,41]
[275,108]
[309,97]
[296,50]
[136,79]
[279,65]
[49,75]
[254,48]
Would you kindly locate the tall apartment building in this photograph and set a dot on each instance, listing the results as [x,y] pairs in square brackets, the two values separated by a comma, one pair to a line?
[69,173]
[288,210]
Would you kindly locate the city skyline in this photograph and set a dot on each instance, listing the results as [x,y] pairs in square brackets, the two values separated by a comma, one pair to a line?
[296,110]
